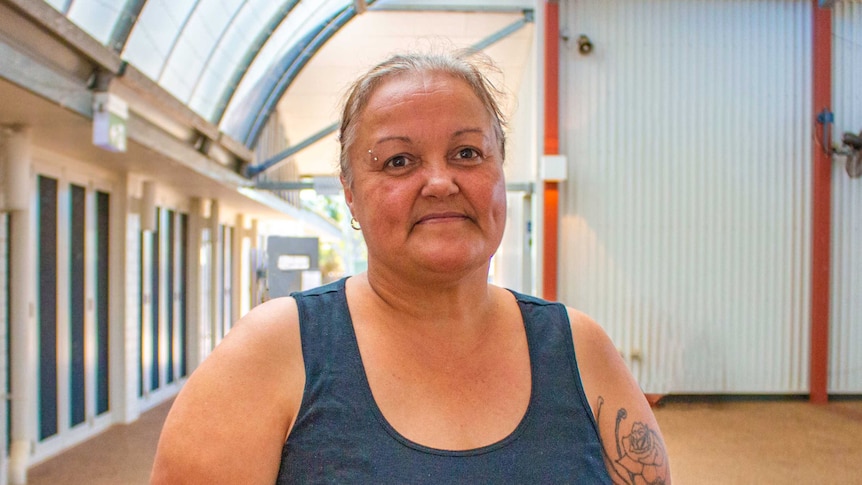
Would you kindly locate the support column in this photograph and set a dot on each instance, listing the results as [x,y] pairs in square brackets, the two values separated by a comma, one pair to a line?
[821,201]
[215,270]
[236,259]
[21,270]
[255,261]
[551,191]
[194,300]
[125,336]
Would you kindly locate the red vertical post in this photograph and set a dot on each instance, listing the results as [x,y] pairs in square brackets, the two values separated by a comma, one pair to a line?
[551,190]
[821,206]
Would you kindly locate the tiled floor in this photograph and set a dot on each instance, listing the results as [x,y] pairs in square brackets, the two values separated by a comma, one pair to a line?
[122,455]
[729,442]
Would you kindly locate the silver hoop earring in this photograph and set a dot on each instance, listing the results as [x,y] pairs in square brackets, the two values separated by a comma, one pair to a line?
[354,224]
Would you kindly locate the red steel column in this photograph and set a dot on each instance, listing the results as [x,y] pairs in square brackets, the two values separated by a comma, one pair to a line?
[821,208]
[551,191]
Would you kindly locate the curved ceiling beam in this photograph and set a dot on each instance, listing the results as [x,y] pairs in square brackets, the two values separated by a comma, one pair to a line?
[290,66]
[250,55]
[123,28]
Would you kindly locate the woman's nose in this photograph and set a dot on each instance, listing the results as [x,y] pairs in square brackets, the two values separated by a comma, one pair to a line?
[439,180]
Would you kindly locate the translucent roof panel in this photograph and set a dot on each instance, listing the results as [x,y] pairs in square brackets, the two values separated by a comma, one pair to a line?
[240,42]
[284,46]
[231,60]
[96,17]
[156,33]
[61,5]
[201,36]
[201,51]
[198,49]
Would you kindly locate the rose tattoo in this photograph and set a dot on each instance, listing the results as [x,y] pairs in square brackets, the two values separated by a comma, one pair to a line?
[640,455]
[643,453]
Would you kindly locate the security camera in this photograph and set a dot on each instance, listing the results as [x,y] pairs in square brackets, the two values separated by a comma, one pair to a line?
[585,46]
[852,140]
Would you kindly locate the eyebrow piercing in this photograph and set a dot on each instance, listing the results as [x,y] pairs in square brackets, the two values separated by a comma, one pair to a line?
[375,158]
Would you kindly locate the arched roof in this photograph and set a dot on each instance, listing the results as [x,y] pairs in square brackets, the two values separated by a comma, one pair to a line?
[232,61]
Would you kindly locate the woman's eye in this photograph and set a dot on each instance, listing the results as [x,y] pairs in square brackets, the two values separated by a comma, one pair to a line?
[397,161]
[468,153]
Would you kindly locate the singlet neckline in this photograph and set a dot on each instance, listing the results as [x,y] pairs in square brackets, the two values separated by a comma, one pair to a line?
[394,433]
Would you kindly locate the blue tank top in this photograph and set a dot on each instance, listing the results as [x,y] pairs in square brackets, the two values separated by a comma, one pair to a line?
[341,436]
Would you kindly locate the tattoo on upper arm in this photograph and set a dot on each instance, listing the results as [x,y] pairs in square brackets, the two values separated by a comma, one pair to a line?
[635,458]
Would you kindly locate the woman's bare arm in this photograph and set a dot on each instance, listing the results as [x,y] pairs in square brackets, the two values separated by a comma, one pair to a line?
[230,421]
[633,446]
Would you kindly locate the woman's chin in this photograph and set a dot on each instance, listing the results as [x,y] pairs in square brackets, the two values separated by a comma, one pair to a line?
[454,264]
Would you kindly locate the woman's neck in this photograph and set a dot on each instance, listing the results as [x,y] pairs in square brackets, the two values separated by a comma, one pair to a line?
[431,301]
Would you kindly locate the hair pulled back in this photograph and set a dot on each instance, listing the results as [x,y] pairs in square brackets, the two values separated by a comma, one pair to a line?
[467,65]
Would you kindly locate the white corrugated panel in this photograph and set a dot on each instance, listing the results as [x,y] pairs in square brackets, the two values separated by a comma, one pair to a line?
[685,226]
[845,367]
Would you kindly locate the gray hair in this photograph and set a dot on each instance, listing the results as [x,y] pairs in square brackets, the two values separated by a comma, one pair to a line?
[466,65]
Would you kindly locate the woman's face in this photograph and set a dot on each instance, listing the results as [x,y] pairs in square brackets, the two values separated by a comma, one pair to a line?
[428,186]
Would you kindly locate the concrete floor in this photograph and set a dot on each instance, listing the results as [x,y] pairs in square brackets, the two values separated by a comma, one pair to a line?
[709,442]
[763,442]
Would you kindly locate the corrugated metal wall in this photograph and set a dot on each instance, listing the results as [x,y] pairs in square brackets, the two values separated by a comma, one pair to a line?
[685,225]
[845,375]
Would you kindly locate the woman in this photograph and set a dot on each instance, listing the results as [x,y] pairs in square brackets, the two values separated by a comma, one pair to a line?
[417,371]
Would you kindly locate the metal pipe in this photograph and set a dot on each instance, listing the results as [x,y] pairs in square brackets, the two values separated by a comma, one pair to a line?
[504,32]
[550,226]
[272,161]
[821,205]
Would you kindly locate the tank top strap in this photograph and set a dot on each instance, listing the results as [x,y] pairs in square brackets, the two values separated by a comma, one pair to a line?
[556,379]
[326,330]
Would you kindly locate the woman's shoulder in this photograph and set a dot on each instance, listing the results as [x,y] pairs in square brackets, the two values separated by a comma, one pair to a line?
[270,317]
[271,328]
[246,391]
[267,339]
[599,360]
[585,328]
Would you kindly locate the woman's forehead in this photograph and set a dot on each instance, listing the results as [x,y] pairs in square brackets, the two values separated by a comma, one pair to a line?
[423,83]
[416,123]
[423,96]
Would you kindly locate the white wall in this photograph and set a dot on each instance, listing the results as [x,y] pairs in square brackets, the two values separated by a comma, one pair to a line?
[685,227]
[845,366]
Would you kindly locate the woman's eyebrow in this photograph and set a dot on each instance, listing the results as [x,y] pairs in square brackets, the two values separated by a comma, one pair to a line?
[466,131]
[405,139]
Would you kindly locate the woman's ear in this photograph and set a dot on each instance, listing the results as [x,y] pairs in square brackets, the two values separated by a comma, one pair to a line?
[348,193]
